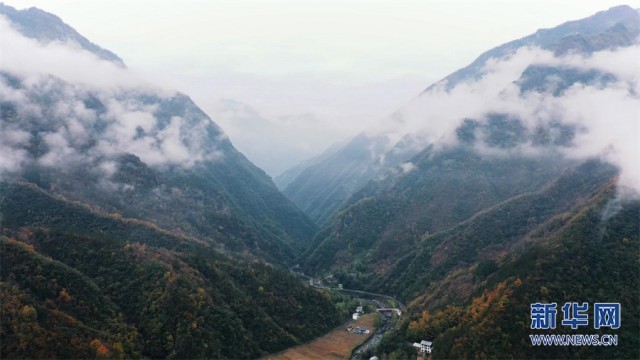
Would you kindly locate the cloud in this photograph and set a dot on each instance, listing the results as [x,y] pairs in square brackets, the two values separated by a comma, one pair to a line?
[64,60]
[62,106]
[407,167]
[606,116]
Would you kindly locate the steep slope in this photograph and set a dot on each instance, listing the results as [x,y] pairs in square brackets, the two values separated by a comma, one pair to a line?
[323,186]
[523,194]
[286,177]
[497,230]
[615,28]
[475,283]
[49,308]
[143,152]
[272,144]
[102,285]
[388,219]
[524,132]
[45,27]
[130,226]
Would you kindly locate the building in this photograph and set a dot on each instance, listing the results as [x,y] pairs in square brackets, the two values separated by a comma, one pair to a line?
[425,346]
[355,316]
[339,286]
[359,309]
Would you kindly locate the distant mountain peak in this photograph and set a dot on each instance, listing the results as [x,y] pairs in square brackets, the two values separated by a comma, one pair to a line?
[608,29]
[45,27]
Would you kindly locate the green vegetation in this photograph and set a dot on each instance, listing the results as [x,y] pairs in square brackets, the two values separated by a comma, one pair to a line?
[103,286]
[471,256]
[387,220]
[572,251]
[346,304]
[585,261]
[223,199]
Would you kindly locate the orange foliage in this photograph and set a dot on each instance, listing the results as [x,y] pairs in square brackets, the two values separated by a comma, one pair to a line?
[101,350]
[64,295]
[494,300]
[420,323]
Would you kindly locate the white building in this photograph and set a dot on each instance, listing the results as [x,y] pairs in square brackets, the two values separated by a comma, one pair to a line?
[425,346]
[355,316]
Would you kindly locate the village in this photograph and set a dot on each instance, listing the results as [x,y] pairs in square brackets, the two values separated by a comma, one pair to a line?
[357,330]
[371,316]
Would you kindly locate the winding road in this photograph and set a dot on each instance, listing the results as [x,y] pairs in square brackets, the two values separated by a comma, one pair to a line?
[386,314]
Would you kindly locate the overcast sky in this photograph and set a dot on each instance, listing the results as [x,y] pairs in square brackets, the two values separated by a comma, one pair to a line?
[347,63]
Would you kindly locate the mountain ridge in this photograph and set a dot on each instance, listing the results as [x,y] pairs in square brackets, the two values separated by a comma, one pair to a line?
[46,27]
[600,31]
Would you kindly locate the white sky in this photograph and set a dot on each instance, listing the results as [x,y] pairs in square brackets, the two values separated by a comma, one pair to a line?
[349,62]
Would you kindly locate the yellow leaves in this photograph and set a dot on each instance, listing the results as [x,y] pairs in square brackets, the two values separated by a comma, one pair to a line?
[29,313]
[118,348]
[420,323]
[64,295]
[493,299]
[544,291]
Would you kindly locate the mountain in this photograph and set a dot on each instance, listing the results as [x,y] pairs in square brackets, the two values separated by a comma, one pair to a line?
[615,27]
[287,176]
[478,162]
[141,154]
[272,144]
[77,283]
[45,27]
[322,185]
[472,285]
[521,193]
[130,226]
[141,151]
[388,150]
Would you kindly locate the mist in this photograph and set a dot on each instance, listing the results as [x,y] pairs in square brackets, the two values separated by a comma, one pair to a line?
[605,114]
[75,109]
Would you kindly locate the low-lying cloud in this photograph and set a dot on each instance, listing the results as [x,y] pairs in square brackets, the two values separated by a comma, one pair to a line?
[63,106]
[606,116]
[64,60]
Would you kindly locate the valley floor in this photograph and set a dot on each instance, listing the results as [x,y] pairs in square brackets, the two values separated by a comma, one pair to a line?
[336,344]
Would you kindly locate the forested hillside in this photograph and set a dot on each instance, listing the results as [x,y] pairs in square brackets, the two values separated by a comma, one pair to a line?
[482,308]
[106,286]
[521,195]
[130,226]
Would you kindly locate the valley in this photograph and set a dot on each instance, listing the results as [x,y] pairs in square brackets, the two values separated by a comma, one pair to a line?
[131,227]
[337,344]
